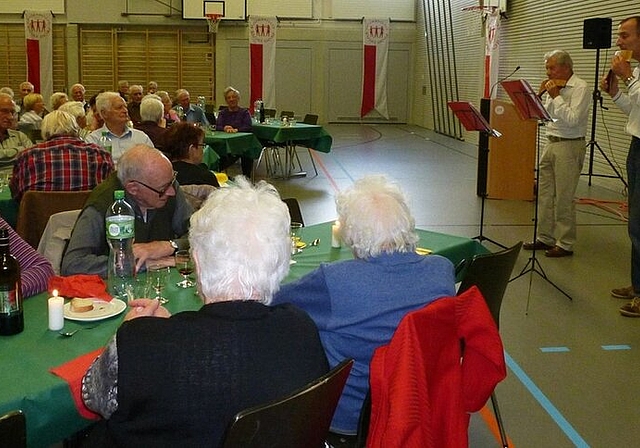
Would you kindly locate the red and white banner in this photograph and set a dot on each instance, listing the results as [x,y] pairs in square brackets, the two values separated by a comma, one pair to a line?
[375,40]
[491,53]
[262,44]
[38,35]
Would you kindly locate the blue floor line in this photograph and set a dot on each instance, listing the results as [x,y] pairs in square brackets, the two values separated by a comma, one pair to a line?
[554,349]
[616,347]
[546,404]
[341,166]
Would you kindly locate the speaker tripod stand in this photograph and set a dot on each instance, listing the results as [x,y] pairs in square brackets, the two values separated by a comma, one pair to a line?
[530,107]
[593,143]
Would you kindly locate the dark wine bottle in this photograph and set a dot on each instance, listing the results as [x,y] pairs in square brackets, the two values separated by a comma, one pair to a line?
[11,313]
[261,111]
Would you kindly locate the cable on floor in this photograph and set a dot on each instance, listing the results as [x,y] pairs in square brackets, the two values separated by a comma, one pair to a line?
[621,211]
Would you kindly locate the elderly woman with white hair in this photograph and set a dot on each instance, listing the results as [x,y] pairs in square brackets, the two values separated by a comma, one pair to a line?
[179,380]
[57,100]
[357,304]
[63,162]
[234,119]
[151,112]
[77,110]
[32,109]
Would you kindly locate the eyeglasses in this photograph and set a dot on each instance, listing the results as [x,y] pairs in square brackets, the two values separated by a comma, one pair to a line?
[164,190]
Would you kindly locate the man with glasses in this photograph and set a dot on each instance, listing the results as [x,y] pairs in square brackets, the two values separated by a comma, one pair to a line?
[11,140]
[162,214]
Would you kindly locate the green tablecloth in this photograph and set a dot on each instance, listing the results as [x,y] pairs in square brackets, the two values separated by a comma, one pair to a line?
[220,144]
[309,135]
[26,358]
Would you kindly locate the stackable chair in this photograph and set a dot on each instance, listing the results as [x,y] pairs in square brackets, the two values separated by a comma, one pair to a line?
[37,206]
[491,274]
[299,420]
[294,210]
[13,430]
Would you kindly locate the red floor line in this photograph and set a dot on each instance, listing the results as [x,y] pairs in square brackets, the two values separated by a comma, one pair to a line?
[490,420]
[325,171]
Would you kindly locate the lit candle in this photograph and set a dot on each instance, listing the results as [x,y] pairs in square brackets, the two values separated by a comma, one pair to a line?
[56,312]
[335,234]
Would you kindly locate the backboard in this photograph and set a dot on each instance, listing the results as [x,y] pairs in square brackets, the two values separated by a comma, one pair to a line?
[229,9]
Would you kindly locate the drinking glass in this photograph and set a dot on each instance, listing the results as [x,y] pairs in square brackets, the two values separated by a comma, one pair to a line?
[157,277]
[184,265]
[4,180]
[296,229]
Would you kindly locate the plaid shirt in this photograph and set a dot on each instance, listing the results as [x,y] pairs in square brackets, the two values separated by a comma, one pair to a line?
[61,163]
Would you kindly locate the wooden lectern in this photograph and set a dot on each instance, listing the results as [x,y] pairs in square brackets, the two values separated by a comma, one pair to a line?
[508,168]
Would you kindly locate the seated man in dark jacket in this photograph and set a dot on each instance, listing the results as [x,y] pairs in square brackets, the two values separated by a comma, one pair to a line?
[177,381]
[161,209]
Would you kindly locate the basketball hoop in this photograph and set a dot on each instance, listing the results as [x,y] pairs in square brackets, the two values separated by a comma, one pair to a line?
[213,20]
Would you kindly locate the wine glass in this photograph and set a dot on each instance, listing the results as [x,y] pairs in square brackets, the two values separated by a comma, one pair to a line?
[184,265]
[157,279]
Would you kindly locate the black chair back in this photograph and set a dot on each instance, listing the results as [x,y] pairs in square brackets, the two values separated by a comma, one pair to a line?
[270,113]
[286,113]
[310,119]
[294,210]
[13,430]
[491,274]
[300,420]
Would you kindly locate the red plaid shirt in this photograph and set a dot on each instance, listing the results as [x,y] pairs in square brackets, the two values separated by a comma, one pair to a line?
[60,164]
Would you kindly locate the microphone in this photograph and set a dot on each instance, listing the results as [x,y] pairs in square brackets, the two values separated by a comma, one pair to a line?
[502,79]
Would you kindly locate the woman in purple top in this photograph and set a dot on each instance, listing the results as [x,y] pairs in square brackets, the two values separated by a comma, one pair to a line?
[35,269]
[234,119]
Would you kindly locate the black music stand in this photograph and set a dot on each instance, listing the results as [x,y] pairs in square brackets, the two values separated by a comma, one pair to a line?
[530,107]
[472,120]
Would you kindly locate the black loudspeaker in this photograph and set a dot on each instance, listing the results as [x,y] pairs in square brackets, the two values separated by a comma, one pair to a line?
[597,33]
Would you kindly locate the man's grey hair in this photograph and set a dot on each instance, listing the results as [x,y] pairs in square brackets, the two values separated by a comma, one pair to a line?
[103,101]
[561,57]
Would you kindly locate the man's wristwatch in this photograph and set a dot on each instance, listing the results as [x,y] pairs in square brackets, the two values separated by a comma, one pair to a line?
[628,80]
[174,245]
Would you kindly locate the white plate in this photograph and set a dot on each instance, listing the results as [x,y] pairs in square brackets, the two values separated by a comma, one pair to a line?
[101,310]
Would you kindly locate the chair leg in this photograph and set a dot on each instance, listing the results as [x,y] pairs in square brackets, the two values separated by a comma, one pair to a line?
[496,411]
[312,161]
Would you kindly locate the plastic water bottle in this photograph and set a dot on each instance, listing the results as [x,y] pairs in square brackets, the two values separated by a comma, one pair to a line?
[120,230]
[105,142]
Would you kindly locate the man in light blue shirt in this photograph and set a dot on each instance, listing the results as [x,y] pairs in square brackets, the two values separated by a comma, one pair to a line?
[113,109]
[192,114]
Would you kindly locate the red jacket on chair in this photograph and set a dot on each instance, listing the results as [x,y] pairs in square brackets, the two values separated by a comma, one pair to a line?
[442,363]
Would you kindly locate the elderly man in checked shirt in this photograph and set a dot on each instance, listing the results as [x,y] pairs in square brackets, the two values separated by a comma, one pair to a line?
[61,163]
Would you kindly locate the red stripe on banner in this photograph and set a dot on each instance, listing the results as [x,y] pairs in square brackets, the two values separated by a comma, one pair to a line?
[368,80]
[487,76]
[33,61]
[257,61]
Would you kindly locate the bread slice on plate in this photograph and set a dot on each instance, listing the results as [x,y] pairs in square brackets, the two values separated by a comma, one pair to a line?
[79,305]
